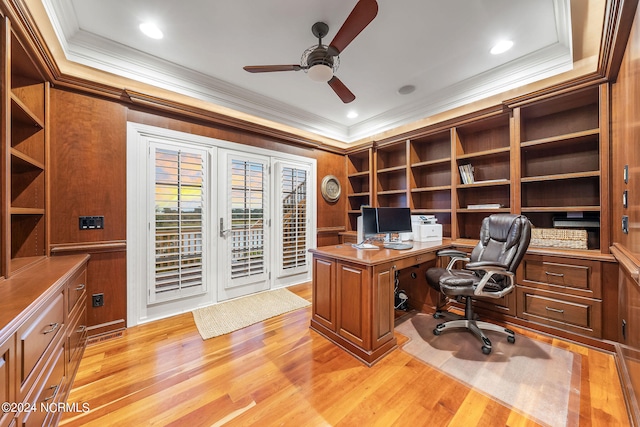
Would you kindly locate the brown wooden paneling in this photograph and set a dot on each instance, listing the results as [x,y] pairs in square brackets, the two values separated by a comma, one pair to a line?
[625,113]
[88,167]
[107,274]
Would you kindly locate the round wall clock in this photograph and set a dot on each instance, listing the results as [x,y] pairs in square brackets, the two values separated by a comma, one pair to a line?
[330,188]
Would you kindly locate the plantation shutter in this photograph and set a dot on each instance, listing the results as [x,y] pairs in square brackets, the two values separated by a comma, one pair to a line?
[178,227]
[247,232]
[293,218]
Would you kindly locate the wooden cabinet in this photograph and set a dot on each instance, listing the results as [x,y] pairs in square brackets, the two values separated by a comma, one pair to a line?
[43,327]
[24,142]
[563,293]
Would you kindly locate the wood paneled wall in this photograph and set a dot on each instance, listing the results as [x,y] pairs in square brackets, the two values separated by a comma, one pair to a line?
[88,177]
[625,139]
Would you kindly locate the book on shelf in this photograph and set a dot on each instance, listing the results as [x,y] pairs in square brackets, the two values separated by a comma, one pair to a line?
[485,206]
[466,173]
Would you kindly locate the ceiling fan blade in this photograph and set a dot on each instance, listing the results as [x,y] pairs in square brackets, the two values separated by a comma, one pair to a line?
[341,90]
[271,68]
[361,15]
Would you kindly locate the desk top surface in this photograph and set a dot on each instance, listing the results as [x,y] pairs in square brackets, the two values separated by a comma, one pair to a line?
[347,252]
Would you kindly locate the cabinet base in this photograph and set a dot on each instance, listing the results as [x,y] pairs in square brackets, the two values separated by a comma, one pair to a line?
[368,357]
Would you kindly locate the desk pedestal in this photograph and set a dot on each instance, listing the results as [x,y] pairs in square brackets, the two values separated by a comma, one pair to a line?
[353,298]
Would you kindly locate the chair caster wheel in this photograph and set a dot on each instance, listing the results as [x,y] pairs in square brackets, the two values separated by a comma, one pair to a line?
[436,331]
[486,350]
[511,339]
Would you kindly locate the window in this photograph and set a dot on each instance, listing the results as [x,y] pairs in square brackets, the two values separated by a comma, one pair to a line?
[178,229]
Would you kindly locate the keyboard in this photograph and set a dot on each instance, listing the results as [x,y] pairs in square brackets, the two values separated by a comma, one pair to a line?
[398,246]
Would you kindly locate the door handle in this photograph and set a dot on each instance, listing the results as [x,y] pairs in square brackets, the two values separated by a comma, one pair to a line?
[223,232]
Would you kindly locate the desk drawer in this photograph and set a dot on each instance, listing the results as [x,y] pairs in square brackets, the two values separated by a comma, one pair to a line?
[573,314]
[35,335]
[412,261]
[571,276]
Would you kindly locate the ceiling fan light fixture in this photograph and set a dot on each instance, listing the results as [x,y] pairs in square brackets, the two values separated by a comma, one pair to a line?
[320,73]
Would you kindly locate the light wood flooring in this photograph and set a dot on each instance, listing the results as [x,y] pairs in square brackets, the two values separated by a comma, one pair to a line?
[279,372]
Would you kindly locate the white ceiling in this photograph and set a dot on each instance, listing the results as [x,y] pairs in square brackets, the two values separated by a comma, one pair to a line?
[439,46]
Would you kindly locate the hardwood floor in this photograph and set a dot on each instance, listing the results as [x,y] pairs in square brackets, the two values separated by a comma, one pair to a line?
[279,372]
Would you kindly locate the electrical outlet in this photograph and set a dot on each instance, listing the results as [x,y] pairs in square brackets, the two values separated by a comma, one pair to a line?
[97,300]
[91,222]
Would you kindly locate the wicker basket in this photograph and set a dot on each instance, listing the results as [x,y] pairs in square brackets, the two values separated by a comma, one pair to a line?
[559,238]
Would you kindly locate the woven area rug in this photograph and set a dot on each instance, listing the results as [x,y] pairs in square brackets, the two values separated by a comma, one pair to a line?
[529,376]
[229,316]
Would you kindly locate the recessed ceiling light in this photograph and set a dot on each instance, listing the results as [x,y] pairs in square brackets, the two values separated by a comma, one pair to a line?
[151,30]
[406,89]
[501,47]
[352,114]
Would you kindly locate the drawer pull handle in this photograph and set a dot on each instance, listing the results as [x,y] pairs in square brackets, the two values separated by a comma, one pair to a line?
[555,310]
[54,327]
[55,391]
[81,287]
[548,273]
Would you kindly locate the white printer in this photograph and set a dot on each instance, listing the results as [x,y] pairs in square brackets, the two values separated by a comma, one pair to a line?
[425,228]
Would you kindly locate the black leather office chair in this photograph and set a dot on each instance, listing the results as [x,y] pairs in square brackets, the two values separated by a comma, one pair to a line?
[489,272]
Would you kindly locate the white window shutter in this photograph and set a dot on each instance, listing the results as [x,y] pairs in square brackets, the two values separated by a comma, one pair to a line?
[177,228]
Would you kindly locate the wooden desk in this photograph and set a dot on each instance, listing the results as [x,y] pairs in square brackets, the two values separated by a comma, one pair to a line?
[353,295]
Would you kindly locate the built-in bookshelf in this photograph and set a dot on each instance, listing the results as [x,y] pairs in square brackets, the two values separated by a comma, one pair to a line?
[391,175]
[560,150]
[430,177]
[484,148]
[24,234]
[541,157]
[359,176]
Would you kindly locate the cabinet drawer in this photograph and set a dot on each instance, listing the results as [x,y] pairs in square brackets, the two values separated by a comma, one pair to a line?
[37,333]
[76,338]
[7,377]
[573,276]
[76,288]
[573,314]
[47,391]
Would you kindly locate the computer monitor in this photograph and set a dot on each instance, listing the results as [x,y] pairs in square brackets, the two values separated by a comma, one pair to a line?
[393,220]
[369,223]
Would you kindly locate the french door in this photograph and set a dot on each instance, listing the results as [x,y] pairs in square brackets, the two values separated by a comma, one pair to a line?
[243,224]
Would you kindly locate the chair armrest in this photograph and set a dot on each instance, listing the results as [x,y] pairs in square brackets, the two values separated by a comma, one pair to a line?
[485,265]
[491,268]
[452,253]
[455,256]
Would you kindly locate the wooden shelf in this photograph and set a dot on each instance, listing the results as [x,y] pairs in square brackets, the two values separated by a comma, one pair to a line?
[572,138]
[23,114]
[427,189]
[556,209]
[431,163]
[21,161]
[558,177]
[492,152]
[26,211]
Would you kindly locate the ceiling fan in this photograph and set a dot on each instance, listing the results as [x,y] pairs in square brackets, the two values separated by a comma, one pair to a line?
[319,61]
